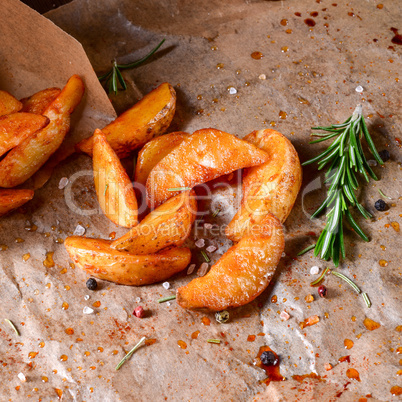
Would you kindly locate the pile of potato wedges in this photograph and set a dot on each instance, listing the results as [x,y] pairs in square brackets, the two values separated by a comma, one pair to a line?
[168,167]
[31,131]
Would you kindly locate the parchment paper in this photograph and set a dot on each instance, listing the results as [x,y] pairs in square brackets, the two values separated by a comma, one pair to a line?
[309,73]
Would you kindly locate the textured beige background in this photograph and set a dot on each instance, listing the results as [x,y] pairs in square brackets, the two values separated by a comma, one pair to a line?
[311,74]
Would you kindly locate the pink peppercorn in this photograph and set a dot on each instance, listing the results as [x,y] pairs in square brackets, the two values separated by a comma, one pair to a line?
[139,312]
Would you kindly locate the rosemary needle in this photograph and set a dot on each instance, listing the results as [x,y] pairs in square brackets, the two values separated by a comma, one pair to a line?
[214,341]
[205,255]
[130,353]
[165,299]
[347,280]
[179,189]
[383,195]
[12,326]
[320,278]
[306,249]
[216,213]
[366,299]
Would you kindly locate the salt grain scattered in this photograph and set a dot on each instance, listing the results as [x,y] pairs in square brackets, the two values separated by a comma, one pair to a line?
[372,162]
[138,299]
[79,230]
[86,297]
[203,269]
[22,377]
[284,316]
[166,285]
[283,254]
[314,270]
[168,304]
[190,269]
[200,243]
[208,225]
[63,183]
[211,249]
[232,90]
[88,310]
[262,77]
[359,89]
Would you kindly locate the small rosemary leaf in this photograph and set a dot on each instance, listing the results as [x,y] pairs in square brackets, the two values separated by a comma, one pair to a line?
[304,251]
[214,341]
[206,258]
[130,353]
[165,299]
[12,326]
[114,80]
[121,79]
[383,195]
[179,189]
[320,278]
[105,76]
[347,280]
[370,143]
[216,213]
[355,226]
[366,299]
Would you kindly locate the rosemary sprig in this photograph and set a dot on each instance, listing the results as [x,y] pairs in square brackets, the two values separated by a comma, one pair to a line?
[130,353]
[165,299]
[12,326]
[344,157]
[113,78]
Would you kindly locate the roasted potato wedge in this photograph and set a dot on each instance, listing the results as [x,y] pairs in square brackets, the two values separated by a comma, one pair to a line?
[39,102]
[268,188]
[96,257]
[11,199]
[167,225]
[203,156]
[113,187]
[241,274]
[8,104]
[16,127]
[25,159]
[154,151]
[150,117]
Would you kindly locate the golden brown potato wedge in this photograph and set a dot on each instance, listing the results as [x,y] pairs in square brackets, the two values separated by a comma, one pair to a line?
[154,151]
[241,274]
[96,257]
[11,199]
[203,156]
[8,104]
[39,102]
[150,117]
[113,187]
[167,225]
[16,127]
[269,188]
[25,159]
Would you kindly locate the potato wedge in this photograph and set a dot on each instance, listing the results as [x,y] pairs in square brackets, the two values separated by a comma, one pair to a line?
[96,257]
[269,188]
[203,156]
[40,101]
[8,104]
[16,127]
[150,117]
[11,199]
[113,187]
[168,225]
[241,274]
[25,159]
[154,151]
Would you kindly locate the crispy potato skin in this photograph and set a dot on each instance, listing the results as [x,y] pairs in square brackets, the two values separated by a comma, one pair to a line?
[168,225]
[39,102]
[97,258]
[8,104]
[241,274]
[26,159]
[113,187]
[154,151]
[11,199]
[203,156]
[150,117]
[16,127]
[268,188]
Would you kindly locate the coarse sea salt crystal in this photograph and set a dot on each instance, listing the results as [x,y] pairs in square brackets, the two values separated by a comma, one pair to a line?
[190,269]
[372,162]
[138,299]
[88,310]
[262,77]
[283,254]
[79,230]
[284,316]
[22,377]
[359,89]
[203,269]
[211,249]
[208,225]
[232,90]
[63,183]
[314,270]
[166,285]
[168,304]
[200,243]
[86,297]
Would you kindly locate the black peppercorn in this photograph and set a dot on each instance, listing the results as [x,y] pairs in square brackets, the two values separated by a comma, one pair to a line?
[380,205]
[92,284]
[322,291]
[384,155]
[268,358]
